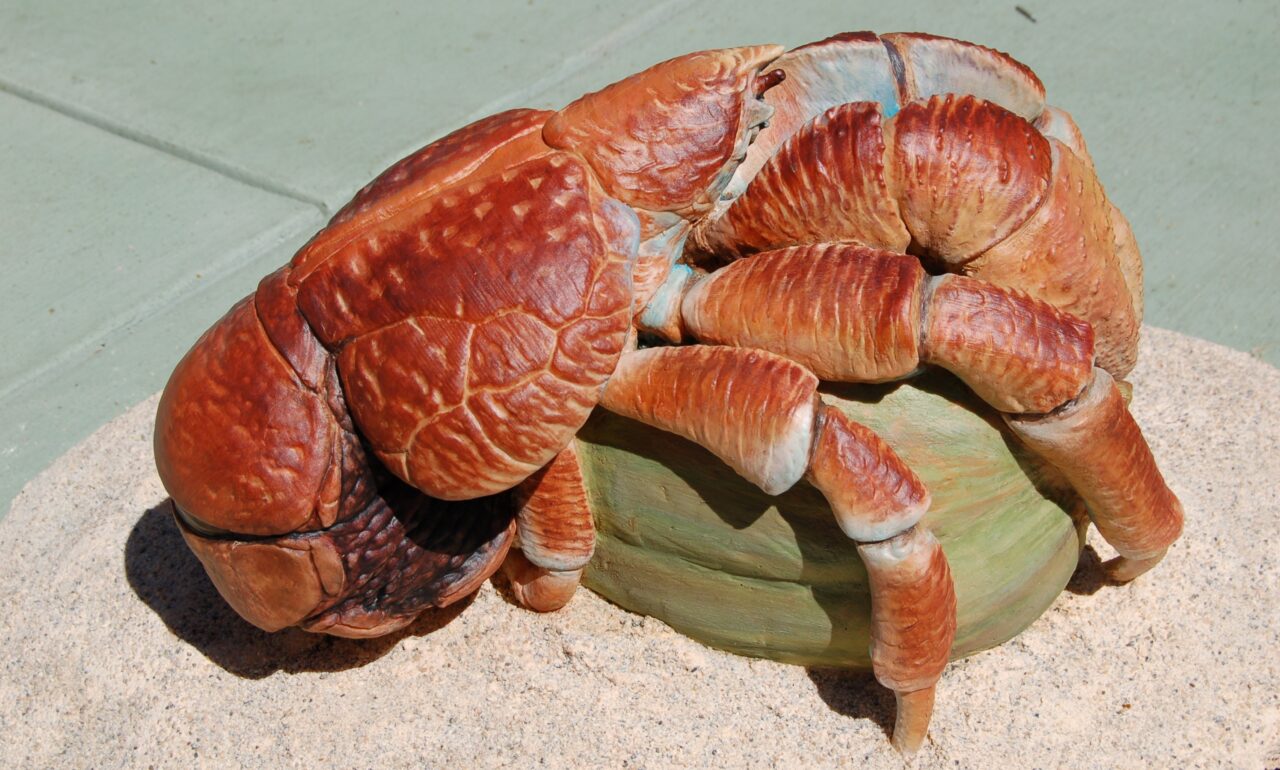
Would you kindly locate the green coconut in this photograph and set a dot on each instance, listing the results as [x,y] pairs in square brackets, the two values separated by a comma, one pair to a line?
[683,539]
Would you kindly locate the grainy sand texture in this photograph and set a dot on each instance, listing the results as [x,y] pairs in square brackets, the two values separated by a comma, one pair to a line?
[118,652]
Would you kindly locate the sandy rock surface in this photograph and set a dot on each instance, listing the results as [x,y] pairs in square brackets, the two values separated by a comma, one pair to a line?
[118,652]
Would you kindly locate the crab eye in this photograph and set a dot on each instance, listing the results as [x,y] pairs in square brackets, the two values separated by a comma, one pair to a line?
[769,80]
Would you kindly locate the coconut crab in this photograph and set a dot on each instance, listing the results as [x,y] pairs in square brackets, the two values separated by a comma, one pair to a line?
[339,446]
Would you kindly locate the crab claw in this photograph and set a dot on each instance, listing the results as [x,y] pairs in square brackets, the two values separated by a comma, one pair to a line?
[668,138]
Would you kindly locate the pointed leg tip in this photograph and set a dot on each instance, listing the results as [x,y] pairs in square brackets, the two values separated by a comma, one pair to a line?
[907,745]
[1122,569]
[539,589]
[911,725]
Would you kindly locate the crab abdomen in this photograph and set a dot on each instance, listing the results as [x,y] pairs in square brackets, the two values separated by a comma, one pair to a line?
[474,323]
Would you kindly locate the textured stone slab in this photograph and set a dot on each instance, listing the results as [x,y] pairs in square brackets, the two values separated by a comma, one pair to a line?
[314,98]
[97,228]
[102,239]
[118,651]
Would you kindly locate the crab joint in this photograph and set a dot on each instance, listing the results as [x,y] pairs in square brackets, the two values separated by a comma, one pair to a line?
[872,492]
[1019,354]
[850,313]
[913,623]
[1097,445]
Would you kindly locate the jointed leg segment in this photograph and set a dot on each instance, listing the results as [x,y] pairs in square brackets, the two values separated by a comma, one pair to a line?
[856,314]
[556,534]
[761,414]
[913,616]
[1097,445]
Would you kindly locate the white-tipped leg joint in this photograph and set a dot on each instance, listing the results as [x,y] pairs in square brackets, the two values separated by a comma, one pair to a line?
[1099,448]
[913,624]
[873,493]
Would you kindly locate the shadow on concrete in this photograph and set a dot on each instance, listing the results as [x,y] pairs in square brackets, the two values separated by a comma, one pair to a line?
[855,694]
[169,579]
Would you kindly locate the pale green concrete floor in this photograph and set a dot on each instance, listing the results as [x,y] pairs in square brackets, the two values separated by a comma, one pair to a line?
[156,158]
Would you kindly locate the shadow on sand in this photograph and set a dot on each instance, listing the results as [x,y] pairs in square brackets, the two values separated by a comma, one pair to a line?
[1089,577]
[855,694]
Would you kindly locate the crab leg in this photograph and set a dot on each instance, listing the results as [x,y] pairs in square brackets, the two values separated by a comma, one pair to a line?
[954,170]
[1097,445]
[1031,361]
[851,313]
[556,534]
[761,414]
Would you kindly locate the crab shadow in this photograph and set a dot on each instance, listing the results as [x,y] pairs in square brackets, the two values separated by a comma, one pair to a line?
[855,694]
[168,578]
[1089,577]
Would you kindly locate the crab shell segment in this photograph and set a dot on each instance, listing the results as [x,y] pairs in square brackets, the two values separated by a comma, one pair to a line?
[668,139]
[474,330]
[891,70]
[477,296]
